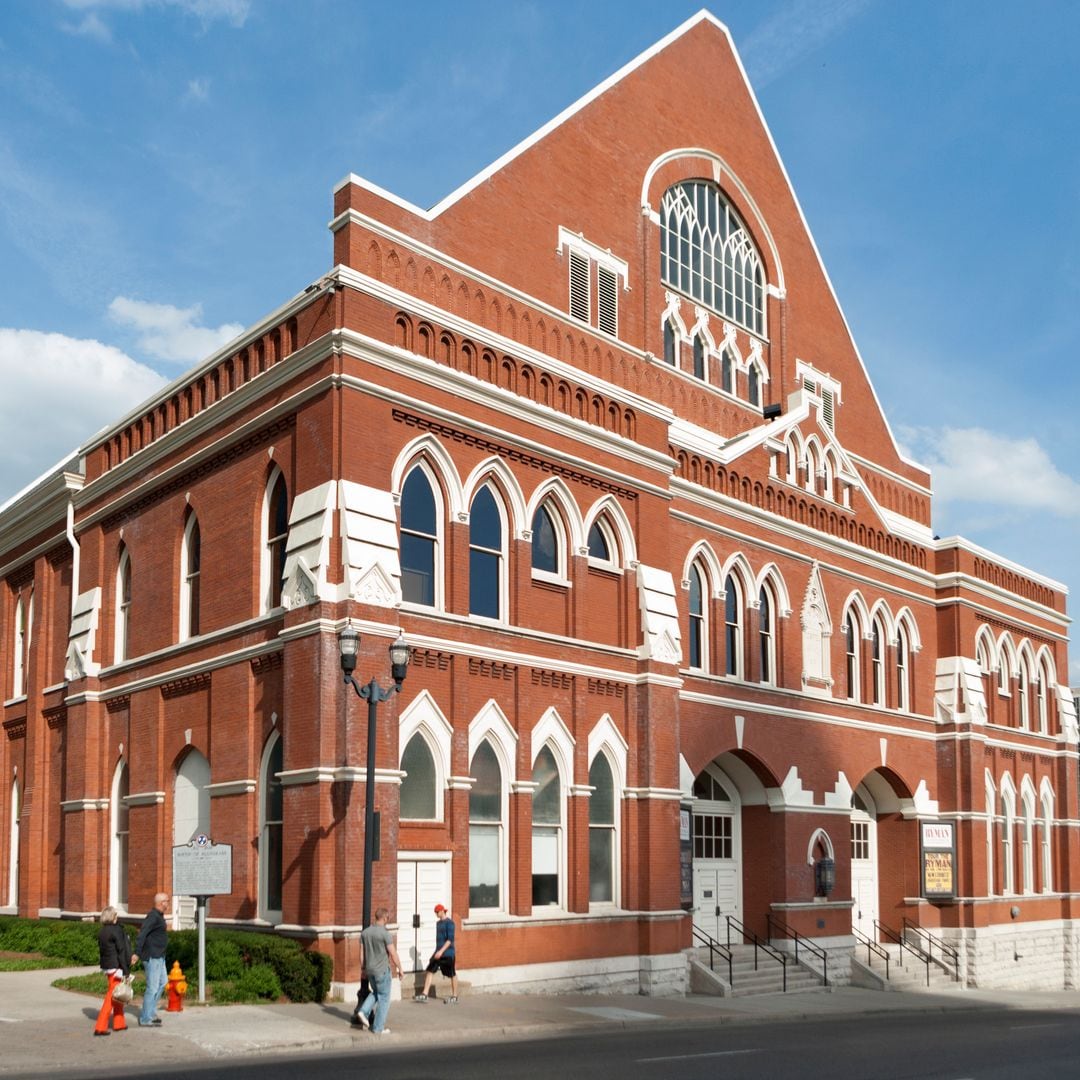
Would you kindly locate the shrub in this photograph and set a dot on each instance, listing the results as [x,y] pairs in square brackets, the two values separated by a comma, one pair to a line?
[260,981]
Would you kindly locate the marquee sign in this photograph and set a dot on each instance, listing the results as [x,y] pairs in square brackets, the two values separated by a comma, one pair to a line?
[937,844]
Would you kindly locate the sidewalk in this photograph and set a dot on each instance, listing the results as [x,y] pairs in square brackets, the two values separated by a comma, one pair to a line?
[43,1030]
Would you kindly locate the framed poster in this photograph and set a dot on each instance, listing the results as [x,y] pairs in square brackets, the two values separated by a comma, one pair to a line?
[686,860]
[937,856]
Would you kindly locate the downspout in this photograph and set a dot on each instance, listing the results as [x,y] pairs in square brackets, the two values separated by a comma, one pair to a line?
[74,555]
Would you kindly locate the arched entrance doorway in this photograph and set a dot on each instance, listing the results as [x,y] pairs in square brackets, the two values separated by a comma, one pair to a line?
[717,839]
[864,862]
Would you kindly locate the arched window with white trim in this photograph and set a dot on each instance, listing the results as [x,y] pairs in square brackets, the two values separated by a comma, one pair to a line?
[671,343]
[853,639]
[1041,704]
[707,254]
[1023,714]
[753,385]
[123,608]
[733,645]
[548,543]
[271,845]
[547,830]
[275,526]
[420,545]
[699,357]
[190,579]
[601,542]
[118,845]
[766,637]
[18,654]
[191,798]
[727,372]
[602,831]
[419,786]
[1027,839]
[486,815]
[698,638]
[1047,840]
[1008,813]
[877,663]
[991,812]
[903,669]
[487,556]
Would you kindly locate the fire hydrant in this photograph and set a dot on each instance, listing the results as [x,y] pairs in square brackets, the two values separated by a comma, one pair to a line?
[177,988]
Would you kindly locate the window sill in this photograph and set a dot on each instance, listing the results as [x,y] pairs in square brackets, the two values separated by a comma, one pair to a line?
[545,577]
[605,567]
[19,699]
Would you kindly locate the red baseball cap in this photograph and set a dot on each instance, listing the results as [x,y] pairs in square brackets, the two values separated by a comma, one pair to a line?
[438,908]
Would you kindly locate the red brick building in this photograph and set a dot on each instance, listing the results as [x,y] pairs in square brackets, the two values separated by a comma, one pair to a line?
[594,435]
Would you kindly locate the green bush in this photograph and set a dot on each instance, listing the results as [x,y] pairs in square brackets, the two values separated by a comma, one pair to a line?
[300,975]
[260,981]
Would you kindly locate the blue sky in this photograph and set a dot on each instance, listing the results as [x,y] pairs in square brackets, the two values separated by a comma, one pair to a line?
[166,170]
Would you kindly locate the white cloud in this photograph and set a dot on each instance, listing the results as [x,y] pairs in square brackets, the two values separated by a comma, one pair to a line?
[797,29]
[58,391]
[170,333]
[231,11]
[91,27]
[972,465]
[198,90]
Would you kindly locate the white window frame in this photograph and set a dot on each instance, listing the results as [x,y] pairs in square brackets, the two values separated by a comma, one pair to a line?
[119,845]
[266,913]
[271,590]
[559,829]
[438,541]
[13,848]
[1027,841]
[18,669]
[1047,806]
[187,579]
[769,636]
[703,619]
[122,638]
[504,816]
[502,554]
[559,576]
[1008,813]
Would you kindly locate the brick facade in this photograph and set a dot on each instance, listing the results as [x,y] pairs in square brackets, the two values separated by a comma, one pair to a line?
[443,340]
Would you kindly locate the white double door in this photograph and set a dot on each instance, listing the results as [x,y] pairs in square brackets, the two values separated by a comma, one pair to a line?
[423,882]
[716,895]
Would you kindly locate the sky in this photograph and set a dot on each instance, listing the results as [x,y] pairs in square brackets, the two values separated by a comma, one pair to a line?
[166,169]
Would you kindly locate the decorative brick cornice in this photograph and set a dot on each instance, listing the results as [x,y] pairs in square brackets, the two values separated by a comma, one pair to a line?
[15,729]
[556,680]
[267,662]
[118,703]
[490,669]
[431,659]
[56,717]
[532,461]
[59,555]
[204,468]
[189,684]
[606,688]
[22,577]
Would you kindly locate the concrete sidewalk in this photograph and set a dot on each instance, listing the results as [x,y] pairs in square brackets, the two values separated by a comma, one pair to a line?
[44,1030]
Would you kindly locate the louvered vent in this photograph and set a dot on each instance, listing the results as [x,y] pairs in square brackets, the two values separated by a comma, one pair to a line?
[579,286]
[827,408]
[607,298]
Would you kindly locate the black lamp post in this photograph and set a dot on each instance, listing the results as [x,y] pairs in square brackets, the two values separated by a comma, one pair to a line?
[372,693]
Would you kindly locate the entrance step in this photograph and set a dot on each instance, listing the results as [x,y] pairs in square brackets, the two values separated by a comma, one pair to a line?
[906,973]
[767,978]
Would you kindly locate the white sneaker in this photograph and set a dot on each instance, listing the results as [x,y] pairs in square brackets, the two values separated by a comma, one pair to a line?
[385,1031]
[360,1019]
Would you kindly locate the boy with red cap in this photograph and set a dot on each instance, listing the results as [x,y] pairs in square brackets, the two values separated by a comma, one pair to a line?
[442,959]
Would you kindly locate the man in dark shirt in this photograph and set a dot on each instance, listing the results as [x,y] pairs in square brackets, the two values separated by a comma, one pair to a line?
[150,949]
[443,958]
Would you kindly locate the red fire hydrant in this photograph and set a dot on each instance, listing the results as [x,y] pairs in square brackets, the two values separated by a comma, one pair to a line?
[177,988]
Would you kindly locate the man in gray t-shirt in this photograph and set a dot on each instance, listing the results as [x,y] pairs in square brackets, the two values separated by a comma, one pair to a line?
[379,959]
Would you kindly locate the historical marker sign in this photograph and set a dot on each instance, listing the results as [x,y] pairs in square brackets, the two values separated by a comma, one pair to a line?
[202,868]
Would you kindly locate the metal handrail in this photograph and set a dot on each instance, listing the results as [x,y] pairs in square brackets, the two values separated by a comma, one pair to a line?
[872,947]
[713,945]
[773,923]
[946,950]
[776,954]
[892,935]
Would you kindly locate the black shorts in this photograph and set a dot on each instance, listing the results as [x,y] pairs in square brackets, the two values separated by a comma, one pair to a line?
[445,964]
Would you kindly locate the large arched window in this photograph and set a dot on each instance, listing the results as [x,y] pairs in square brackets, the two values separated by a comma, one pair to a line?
[18,668]
[1023,716]
[698,637]
[271,861]
[419,794]
[733,658]
[727,373]
[1047,836]
[1027,840]
[118,847]
[1008,813]
[699,357]
[601,832]
[601,543]
[753,385]
[671,343]
[766,639]
[547,820]
[877,663]
[485,829]
[547,542]
[852,639]
[276,534]
[485,556]
[707,254]
[190,579]
[123,607]
[903,669]
[419,539]
[191,798]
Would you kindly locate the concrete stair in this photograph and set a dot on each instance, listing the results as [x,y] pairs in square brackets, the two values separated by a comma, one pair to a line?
[906,974]
[745,981]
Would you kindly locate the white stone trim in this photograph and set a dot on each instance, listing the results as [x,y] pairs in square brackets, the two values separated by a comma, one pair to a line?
[145,798]
[71,806]
[232,787]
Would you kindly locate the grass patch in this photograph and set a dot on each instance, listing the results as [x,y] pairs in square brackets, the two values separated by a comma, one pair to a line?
[95,983]
[257,986]
[31,963]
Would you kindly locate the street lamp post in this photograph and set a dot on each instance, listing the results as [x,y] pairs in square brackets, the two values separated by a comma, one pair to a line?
[372,693]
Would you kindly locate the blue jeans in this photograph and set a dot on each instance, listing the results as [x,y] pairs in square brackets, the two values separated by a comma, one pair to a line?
[378,1000]
[154,969]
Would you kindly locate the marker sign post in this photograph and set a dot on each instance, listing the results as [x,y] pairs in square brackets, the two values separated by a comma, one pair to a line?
[201,869]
